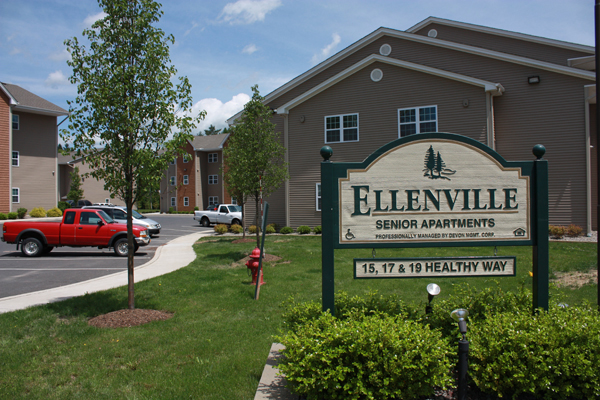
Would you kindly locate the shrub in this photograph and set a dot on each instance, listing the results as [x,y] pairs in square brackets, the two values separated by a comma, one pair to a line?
[551,355]
[171,210]
[574,230]
[253,229]
[221,229]
[196,208]
[557,232]
[286,230]
[54,212]
[63,205]
[365,357]
[303,229]
[236,228]
[275,226]
[3,217]
[38,212]
[317,230]
[21,212]
[270,229]
[13,215]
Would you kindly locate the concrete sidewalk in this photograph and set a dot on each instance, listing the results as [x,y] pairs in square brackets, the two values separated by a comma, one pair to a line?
[170,257]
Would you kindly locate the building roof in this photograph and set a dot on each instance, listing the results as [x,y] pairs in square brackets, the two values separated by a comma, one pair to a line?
[209,142]
[479,51]
[24,100]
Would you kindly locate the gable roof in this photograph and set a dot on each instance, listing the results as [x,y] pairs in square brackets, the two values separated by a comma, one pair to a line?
[209,142]
[381,32]
[24,100]
[495,89]
[501,32]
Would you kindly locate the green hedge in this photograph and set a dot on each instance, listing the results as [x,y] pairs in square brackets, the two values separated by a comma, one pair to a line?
[365,357]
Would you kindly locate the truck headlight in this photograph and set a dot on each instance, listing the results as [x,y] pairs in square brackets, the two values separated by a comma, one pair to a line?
[144,233]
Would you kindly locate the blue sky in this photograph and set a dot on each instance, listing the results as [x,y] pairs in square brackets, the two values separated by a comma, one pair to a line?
[225,47]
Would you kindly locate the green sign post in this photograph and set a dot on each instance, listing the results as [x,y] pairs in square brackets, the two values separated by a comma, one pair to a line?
[435,190]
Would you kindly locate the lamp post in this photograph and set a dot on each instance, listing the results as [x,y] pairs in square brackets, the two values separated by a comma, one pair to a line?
[459,315]
[432,291]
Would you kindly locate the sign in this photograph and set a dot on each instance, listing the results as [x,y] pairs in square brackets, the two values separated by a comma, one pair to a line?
[433,267]
[434,190]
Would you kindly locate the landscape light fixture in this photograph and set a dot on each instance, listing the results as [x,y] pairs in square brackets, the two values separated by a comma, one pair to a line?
[533,79]
[459,315]
[432,291]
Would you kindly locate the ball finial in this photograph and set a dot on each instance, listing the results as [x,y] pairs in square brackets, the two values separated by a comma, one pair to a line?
[539,151]
[326,152]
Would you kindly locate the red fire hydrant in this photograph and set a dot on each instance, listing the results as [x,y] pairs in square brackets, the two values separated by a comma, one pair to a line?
[252,264]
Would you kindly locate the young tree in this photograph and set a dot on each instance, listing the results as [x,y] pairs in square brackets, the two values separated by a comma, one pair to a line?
[254,157]
[212,130]
[75,190]
[129,119]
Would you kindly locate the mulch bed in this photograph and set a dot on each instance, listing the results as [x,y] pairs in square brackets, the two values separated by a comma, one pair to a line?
[128,318]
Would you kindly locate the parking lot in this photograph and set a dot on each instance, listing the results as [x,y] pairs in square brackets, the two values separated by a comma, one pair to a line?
[67,265]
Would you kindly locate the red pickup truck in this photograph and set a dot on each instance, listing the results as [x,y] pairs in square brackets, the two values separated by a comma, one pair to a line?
[79,228]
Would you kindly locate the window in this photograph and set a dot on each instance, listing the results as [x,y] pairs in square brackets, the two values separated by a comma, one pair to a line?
[185,159]
[186,179]
[172,181]
[118,214]
[234,200]
[89,218]
[70,217]
[173,202]
[318,196]
[16,197]
[213,179]
[15,158]
[213,157]
[417,120]
[212,200]
[15,122]
[186,201]
[172,162]
[341,128]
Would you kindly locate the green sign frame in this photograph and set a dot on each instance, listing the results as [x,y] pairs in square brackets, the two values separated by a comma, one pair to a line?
[332,174]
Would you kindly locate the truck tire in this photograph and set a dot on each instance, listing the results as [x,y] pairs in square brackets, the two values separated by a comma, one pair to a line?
[47,249]
[120,247]
[205,222]
[31,247]
[236,222]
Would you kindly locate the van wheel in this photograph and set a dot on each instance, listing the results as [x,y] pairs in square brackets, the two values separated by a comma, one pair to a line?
[31,247]
[205,222]
[121,249]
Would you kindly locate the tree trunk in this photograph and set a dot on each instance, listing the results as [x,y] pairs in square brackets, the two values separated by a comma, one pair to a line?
[257,221]
[130,248]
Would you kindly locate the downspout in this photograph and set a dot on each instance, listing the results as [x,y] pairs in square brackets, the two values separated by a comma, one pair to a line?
[588,161]
[287,160]
[10,168]
[56,170]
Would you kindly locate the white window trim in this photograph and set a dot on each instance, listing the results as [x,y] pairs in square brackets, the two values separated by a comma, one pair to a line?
[13,195]
[214,179]
[417,122]
[215,200]
[13,121]
[173,202]
[186,179]
[341,116]
[185,159]
[317,196]
[186,201]
[214,156]
[172,181]
[13,159]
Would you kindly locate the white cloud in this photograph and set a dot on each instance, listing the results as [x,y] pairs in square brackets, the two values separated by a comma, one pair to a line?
[63,55]
[327,50]
[247,11]
[89,21]
[56,79]
[194,25]
[218,112]
[251,48]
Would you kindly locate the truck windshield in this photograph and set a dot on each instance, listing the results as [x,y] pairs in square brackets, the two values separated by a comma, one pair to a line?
[235,209]
[105,217]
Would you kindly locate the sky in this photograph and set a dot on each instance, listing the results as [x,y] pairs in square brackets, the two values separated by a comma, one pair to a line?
[226,47]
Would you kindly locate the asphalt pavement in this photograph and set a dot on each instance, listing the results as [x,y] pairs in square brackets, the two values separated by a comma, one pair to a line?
[69,272]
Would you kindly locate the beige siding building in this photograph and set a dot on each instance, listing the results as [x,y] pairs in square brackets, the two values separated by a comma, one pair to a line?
[507,90]
[28,150]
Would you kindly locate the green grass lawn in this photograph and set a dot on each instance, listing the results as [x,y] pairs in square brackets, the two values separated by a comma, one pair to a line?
[216,344]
